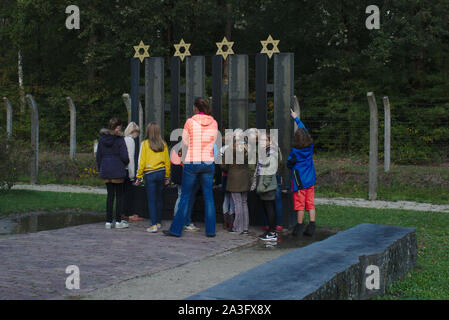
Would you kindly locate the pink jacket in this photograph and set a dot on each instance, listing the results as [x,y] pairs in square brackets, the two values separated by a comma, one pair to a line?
[199,134]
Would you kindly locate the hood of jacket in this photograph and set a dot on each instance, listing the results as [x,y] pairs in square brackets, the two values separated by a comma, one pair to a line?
[108,137]
[203,119]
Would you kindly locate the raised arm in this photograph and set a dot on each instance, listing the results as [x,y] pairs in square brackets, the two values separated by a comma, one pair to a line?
[297,120]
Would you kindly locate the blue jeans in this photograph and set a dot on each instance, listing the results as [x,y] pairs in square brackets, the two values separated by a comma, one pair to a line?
[154,185]
[196,187]
[203,174]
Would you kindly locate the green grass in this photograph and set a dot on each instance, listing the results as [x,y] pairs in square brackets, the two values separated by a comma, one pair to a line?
[15,201]
[430,280]
[348,177]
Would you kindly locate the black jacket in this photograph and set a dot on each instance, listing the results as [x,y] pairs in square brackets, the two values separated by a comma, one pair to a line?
[112,155]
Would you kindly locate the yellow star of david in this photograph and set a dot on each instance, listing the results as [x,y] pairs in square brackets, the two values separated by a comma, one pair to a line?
[143,55]
[220,46]
[265,44]
[178,47]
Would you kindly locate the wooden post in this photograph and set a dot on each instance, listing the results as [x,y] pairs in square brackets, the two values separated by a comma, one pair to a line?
[72,127]
[297,109]
[373,147]
[34,172]
[8,116]
[387,138]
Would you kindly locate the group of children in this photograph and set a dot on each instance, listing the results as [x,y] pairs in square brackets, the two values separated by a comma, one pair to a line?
[115,159]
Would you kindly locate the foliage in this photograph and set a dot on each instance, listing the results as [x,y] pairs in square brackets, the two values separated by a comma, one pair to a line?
[337,60]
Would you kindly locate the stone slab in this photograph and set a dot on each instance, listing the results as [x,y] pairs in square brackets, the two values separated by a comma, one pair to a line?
[331,269]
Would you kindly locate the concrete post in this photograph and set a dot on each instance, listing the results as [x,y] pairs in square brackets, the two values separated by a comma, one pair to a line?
[283,102]
[34,172]
[195,81]
[387,135]
[238,91]
[8,116]
[373,147]
[72,127]
[127,101]
[155,92]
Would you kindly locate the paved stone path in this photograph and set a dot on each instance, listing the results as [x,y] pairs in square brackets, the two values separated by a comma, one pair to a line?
[349,202]
[33,265]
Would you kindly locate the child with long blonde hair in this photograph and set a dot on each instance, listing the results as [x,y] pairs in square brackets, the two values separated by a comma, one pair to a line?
[154,167]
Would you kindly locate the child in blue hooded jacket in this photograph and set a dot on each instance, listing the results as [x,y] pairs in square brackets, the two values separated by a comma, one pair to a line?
[300,161]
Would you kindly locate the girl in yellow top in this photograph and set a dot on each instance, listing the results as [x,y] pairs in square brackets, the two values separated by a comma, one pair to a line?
[154,167]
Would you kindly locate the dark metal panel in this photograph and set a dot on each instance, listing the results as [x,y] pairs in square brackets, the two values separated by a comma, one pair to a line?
[261,91]
[175,81]
[135,76]
[217,79]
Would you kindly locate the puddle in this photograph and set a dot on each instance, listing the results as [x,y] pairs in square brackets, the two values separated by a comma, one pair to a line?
[287,241]
[35,222]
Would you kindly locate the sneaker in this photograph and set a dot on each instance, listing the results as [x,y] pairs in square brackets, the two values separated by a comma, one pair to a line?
[244,232]
[310,229]
[121,225]
[108,225]
[297,230]
[268,236]
[169,234]
[232,231]
[152,229]
[265,228]
[159,226]
[191,227]
[279,228]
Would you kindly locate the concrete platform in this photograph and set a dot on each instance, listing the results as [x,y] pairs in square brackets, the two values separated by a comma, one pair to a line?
[334,268]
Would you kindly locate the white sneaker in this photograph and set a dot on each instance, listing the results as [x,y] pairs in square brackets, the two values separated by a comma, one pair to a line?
[121,225]
[108,225]
[152,229]
[159,226]
[191,227]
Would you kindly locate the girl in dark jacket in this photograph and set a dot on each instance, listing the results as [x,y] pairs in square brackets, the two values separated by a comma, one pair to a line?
[112,158]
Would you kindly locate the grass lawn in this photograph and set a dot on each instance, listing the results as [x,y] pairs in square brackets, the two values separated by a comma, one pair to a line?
[428,281]
[16,201]
[348,177]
